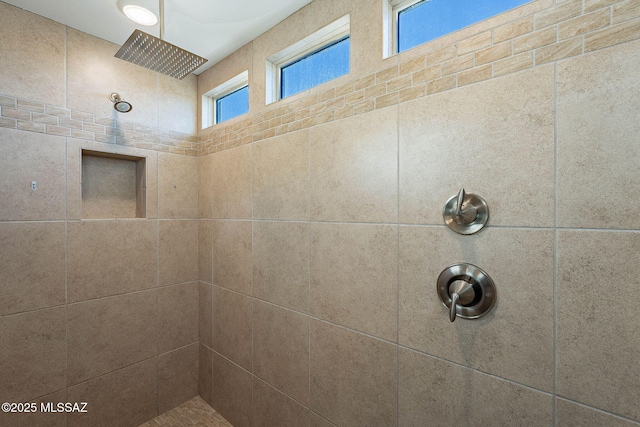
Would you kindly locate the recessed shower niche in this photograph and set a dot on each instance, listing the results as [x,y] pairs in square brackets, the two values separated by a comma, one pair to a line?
[113,186]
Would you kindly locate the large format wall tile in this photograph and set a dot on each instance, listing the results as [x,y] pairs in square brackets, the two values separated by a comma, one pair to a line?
[367,28]
[232,326]
[232,388]
[232,181]
[354,168]
[32,266]
[570,414]
[232,255]
[111,257]
[27,157]
[32,354]
[272,408]
[93,73]
[281,177]
[598,138]
[281,349]
[281,263]
[494,139]
[353,377]
[515,339]
[178,103]
[127,397]
[177,188]
[177,377]
[178,251]
[436,393]
[597,331]
[354,276]
[111,333]
[33,56]
[177,316]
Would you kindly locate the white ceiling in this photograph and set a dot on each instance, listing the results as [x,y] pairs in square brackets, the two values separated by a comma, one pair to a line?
[209,28]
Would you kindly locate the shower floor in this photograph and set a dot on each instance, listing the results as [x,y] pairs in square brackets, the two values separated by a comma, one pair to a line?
[194,412]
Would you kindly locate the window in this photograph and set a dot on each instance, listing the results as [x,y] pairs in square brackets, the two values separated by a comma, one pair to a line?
[229,100]
[316,59]
[316,68]
[417,22]
[232,105]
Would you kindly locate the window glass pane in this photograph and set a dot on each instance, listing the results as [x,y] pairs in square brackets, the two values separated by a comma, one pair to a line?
[319,67]
[232,105]
[430,19]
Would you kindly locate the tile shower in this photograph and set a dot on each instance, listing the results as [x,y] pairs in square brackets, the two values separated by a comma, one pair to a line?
[285,265]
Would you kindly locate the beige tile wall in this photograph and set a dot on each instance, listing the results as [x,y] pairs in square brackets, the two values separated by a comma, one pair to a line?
[333,199]
[314,261]
[98,311]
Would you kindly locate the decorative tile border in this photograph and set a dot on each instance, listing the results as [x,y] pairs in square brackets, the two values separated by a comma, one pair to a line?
[33,116]
[566,29]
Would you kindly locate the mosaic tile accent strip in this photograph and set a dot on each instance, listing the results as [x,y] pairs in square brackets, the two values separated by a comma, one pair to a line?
[34,116]
[563,30]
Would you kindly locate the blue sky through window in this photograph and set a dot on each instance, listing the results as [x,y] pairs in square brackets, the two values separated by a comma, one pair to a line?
[430,19]
[232,105]
[326,64]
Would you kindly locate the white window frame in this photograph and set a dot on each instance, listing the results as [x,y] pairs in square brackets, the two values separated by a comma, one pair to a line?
[325,36]
[209,99]
[390,11]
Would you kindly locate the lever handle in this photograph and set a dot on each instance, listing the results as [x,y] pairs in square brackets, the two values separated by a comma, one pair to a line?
[454,300]
[459,202]
[461,292]
[464,216]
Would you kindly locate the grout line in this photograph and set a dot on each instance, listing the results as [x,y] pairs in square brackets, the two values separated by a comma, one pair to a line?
[421,225]
[460,365]
[593,408]
[66,71]
[66,256]
[252,149]
[309,253]
[435,225]
[398,265]
[20,313]
[555,244]
[116,370]
[157,221]
[182,347]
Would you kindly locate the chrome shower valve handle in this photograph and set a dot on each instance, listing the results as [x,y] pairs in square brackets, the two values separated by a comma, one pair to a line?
[466,290]
[466,213]
[463,293]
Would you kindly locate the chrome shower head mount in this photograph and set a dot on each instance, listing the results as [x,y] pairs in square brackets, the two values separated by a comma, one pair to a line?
[119,104]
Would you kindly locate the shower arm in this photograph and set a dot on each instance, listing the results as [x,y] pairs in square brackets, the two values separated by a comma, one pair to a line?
[161,10]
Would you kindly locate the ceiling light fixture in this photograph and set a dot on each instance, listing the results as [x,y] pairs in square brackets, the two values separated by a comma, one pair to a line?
[139,11]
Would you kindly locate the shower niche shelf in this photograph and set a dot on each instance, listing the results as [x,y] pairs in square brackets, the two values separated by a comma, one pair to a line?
[113,186]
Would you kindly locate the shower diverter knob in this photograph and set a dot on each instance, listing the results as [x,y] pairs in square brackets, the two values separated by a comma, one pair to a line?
[466,213]
[466,290]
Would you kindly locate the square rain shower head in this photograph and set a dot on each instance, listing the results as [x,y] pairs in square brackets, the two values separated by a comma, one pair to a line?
[156,54]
